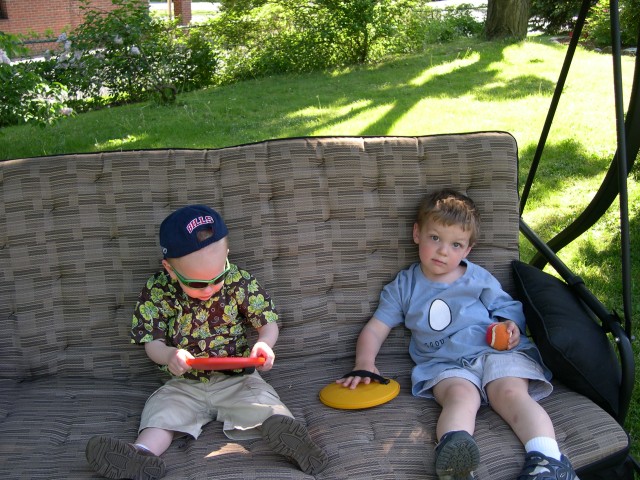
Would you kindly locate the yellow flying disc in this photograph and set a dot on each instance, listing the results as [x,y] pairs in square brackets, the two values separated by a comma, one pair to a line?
[363,396]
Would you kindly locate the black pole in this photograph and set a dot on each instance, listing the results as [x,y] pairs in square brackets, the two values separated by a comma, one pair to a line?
[625,241]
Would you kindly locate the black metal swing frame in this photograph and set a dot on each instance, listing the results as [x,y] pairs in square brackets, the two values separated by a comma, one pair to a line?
[613,186]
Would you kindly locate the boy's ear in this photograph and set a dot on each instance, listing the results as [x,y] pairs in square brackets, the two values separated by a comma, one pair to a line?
[167,267]
[469,248]
[416,233]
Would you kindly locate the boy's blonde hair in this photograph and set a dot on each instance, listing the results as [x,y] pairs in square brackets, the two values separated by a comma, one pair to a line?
[449,207]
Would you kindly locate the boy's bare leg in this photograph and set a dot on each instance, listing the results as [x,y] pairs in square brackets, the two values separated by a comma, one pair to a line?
[457,453]
[460,401]
[156,440]
[510,398]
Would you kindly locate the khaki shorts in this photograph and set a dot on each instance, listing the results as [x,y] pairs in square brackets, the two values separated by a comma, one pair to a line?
[241,402]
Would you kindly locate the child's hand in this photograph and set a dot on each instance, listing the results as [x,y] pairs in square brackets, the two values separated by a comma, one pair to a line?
[352,382]
[177,363]
[175,359]
[367,347]
[514,338]
[261,349]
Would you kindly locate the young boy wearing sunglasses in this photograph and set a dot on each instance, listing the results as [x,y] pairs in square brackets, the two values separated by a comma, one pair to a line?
[201,305]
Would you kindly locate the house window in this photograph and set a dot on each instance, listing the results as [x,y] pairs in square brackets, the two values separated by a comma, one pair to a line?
[3,10]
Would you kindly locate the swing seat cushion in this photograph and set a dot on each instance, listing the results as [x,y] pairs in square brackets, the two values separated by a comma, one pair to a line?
[323,223]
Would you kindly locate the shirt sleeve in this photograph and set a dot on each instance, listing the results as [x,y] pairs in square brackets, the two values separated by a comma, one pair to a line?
[500,304]
[253,301]
[153,311]
[391,307]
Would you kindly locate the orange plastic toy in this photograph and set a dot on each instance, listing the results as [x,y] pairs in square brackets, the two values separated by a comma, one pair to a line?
[225,363]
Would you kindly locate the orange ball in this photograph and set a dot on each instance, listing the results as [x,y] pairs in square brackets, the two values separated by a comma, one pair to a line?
[498,336]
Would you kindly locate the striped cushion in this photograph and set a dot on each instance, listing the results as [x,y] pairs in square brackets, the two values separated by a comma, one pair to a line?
[323,223]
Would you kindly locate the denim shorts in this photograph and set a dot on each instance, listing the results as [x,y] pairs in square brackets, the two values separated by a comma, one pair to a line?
[240,402]
[493,366]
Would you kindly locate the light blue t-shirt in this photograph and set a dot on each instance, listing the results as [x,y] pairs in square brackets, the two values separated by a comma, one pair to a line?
[448,322]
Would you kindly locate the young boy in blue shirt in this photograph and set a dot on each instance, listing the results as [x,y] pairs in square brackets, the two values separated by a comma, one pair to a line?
[448,302]
[201,305]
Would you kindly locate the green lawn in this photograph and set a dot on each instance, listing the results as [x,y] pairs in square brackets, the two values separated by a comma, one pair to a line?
[463,86]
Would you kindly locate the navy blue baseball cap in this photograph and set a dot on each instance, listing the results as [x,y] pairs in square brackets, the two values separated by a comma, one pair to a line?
[179,232]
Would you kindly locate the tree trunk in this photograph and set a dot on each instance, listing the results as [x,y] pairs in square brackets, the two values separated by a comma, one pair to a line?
[507,18]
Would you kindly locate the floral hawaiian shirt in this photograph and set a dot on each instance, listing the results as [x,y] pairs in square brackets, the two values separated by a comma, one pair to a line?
[212,328]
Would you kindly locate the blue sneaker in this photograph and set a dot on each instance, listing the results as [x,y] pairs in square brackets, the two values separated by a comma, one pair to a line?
[540,467]
[457,455]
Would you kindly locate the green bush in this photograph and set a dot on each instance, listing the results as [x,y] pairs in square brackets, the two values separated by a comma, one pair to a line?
[26,96]
[294,36]
[553,17]
[300,35]
[125,55]
[424,25]
[597,29]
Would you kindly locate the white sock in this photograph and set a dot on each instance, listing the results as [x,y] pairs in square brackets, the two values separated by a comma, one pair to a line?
[143,447]
[545,445]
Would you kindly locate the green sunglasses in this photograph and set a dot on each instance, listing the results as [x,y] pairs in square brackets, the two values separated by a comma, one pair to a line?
[199,284]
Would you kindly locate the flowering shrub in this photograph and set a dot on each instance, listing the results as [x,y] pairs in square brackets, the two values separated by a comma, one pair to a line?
[113,57]
[124,55]
[25,95]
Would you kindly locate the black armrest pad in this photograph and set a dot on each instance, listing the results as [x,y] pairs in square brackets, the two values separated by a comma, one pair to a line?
[573,345]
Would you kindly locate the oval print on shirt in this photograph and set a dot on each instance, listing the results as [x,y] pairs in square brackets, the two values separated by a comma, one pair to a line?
[439,315]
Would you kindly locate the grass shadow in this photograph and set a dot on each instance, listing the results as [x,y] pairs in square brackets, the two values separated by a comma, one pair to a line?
[377,97]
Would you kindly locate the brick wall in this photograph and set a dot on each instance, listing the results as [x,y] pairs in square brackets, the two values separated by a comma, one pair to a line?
[182,11]
[46,18]
[40,16]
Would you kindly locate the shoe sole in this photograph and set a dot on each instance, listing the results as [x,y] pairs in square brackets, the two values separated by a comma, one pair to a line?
[113,458]
[457,460]
[288,437]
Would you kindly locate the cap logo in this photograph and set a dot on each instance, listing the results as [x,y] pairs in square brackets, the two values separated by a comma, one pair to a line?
[196,222]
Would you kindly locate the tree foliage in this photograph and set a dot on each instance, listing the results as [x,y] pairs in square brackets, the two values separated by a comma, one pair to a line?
[598,26]
[304,35]
[555,17]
